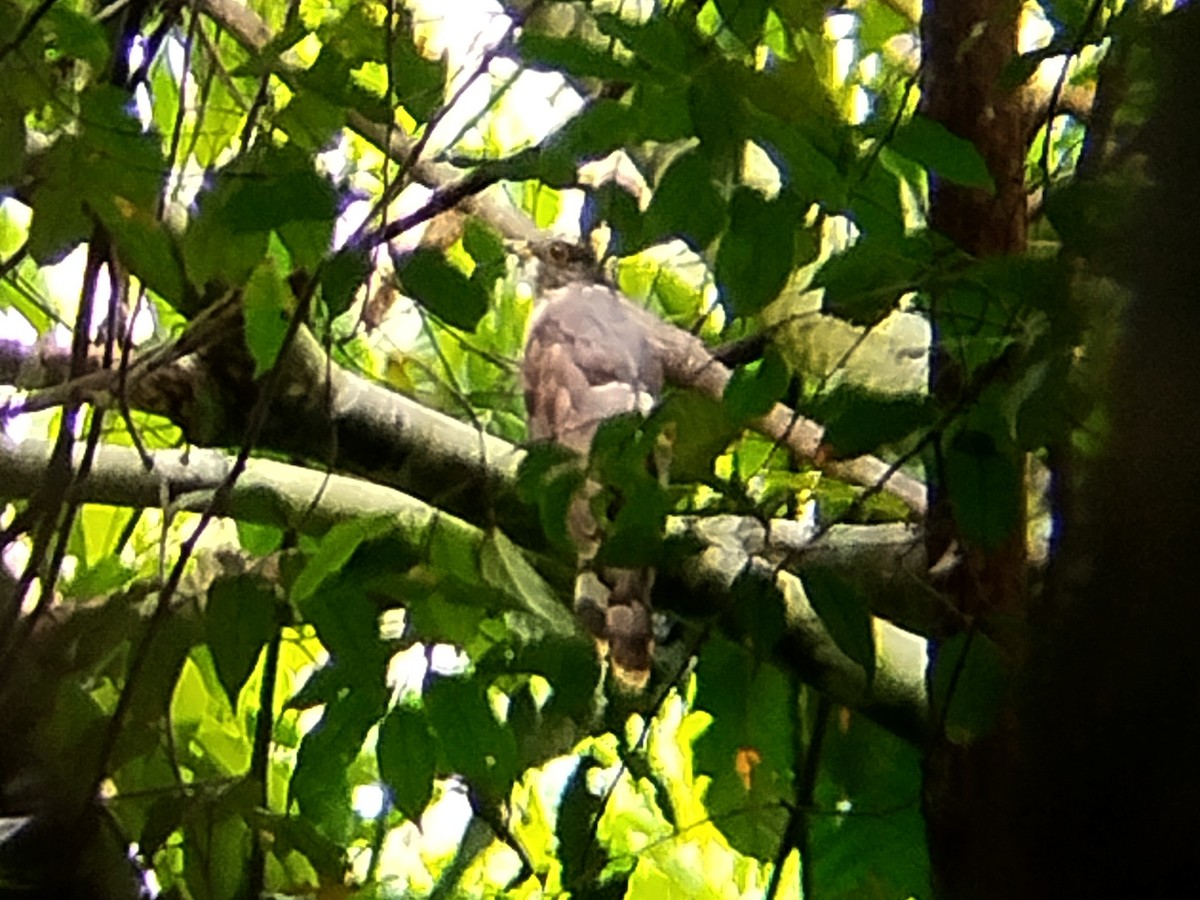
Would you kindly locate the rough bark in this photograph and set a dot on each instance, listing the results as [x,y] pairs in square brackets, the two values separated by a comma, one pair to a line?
[968,789]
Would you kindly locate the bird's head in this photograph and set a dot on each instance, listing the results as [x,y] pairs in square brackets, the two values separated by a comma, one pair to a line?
[561,263]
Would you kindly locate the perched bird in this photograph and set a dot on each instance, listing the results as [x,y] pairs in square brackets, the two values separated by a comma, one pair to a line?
[590,355]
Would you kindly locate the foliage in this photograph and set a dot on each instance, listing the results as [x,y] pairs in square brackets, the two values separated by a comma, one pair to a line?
[292,710]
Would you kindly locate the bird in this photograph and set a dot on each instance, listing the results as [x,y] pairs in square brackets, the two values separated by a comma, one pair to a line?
[590,354]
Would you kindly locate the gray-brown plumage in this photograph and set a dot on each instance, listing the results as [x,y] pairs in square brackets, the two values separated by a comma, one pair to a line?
[591,355]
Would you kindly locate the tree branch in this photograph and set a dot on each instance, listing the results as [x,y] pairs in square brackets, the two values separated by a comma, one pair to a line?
[286,496]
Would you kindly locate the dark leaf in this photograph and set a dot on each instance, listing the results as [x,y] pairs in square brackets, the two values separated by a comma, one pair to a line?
[442,288]
[986,488]
[342,276]
[755,256]
[211,252]
[78,36]
[755,388]
[334,550]
[943,153]
[664,44]
[573,56]
[407,759]
[858,421]
[216,852]
[749,749]
[240,618]
[845,612]
[686,204]
[320,784]
[864,283]
[59,223]
[968,685]
[261,202]
[575,828]
[419,82]
[744,17]
[701,430]
[476,744]
[148,250]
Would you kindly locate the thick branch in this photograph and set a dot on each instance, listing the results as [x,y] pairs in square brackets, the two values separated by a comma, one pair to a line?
[287,496]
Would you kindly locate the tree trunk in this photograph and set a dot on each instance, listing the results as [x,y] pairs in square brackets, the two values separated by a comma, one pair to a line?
[968,797]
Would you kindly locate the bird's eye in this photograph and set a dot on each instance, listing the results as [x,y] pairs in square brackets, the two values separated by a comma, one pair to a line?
[558,251]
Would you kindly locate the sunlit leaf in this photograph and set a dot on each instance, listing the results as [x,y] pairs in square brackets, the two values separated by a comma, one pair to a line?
[266,304]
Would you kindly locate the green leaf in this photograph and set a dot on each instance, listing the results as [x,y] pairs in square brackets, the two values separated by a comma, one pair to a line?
[634,537]
[845,612]
[407,755]
[749,749]
[334,551]
[342,277]
[442,288]
[216,852]
[575,828]
[864,283]
[240,619]
[548,476]
[78,36]
[505,568]
[808,171]
[611,202]
[419,82]
[12,142]
[986,487]
[755,256]
[745,18]
[717,112]
[544,52]
[261,201]
[943,153]
[755,388]
[211,252]
[147,249]
[476,744]
[663,44]
[875,203]
[59,223]
[320,784]
[858,420]
[686,204]
[969,683]
[311,121]
[703,428]
[266,305]
[601,128]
